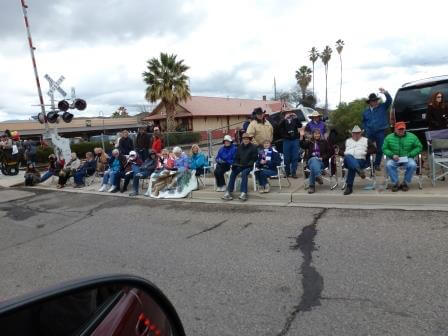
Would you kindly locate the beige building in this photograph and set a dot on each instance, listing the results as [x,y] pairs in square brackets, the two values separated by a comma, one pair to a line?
[221,115]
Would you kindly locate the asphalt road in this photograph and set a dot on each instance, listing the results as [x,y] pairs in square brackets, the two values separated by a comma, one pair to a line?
[239,269]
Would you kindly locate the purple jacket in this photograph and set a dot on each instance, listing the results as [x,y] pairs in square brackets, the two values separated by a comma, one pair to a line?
[311,126]
[181,163]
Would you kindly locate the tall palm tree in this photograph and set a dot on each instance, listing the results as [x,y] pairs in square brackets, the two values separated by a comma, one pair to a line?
[325,56]
[314,56]
[303,77]
[339,47]
[167,82]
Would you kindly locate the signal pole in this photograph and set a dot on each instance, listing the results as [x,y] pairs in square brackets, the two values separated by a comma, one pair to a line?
[33,59]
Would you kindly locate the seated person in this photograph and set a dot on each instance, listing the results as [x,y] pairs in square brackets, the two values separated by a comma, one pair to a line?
[268,161]
[54,167]
[317,156]
[32,176]
[355,157]
[175,164]
[88,168]
[245,157]
[197,160]
[401,148]
[145,170]
[132,164]
[69,169]
[116,163]
[102,160]
[316,123]
[224,160]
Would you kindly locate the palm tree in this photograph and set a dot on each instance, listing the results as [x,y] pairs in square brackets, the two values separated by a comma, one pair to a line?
[167,82]
[303,76]
[325,56]
[339,47]
[314,56]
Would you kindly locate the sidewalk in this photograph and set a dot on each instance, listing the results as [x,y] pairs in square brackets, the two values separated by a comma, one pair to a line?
[429,198]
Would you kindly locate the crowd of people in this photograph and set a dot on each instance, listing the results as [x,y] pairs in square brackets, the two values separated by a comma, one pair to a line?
[257,154]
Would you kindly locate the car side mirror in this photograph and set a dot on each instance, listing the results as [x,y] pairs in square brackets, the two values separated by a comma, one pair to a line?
[105,305]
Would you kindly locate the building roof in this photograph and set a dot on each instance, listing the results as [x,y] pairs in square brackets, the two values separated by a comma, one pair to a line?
[199,106]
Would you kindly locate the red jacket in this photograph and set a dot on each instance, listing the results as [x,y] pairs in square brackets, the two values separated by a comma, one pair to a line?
[157,145]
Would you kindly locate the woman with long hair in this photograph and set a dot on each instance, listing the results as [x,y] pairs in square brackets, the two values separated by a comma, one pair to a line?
[437,116]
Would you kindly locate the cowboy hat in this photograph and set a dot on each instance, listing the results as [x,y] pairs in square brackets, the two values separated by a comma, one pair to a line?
[315,114]
[372,97]
[257,110]
[246,135]
[356,129]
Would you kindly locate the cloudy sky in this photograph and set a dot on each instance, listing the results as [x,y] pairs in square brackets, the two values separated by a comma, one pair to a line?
[234,48]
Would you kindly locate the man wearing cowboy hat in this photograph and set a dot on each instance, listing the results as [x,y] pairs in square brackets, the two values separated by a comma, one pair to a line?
[356,150]
[375,121]
[245,157]
[401,148]
[289,131]
[316,123]
[260,129]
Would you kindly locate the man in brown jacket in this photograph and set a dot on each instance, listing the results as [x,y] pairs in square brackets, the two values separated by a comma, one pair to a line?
[260,129]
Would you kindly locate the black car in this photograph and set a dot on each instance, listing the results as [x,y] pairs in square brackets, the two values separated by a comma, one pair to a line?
[411,102]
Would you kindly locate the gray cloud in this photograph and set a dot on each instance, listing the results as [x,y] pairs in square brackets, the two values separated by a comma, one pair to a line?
[90,21]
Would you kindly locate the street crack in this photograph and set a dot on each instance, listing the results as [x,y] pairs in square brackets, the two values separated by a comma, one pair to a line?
[208,229]
[312,281]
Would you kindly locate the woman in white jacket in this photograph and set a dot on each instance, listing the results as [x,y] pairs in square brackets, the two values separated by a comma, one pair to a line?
[355,157]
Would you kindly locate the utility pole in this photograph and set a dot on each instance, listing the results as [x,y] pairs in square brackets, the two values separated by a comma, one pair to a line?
[33,59]
[275,90]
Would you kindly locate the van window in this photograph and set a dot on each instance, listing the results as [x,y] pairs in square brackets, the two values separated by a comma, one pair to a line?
[417,97]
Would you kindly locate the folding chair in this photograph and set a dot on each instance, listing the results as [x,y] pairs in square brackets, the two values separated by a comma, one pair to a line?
[437,153]
[207,168]
[370,173]
[330,171]
[281,172]
[418,172]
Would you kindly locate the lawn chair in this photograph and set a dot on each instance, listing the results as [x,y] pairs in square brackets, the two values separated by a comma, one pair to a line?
[437,153]
[207,169]
[370,173]
[418,172]
[328,173]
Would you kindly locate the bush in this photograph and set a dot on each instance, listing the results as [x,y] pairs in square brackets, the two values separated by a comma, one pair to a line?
[43,153]
[345,117]
[80,149]
[174,139]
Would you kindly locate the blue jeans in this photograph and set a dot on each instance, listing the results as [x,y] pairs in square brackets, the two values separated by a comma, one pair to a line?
[245,171]
[46,176]
[136,180]
[263,174]
[291,155]
[315,166]
[378,139]
[353,166]
[79,176]
[110,177]
[392,170]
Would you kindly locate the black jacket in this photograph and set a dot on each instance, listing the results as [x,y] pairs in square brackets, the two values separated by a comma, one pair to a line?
[437,117]
[246,155]
[89,167]
[326,151]
[143,141]
[125,146]
[289,130]
[149,166]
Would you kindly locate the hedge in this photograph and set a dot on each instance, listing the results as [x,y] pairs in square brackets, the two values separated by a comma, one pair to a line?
[174,139]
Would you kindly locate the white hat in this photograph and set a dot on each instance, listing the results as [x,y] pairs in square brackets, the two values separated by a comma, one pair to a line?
[356,129]
[228,138]
[315,114]
[132,153]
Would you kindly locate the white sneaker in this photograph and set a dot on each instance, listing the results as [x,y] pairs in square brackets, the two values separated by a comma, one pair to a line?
[221,189]
[113,188]
[103,188]
[267,188]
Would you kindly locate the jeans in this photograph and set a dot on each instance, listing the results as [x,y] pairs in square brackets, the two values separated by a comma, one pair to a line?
[245,171]
[143,154]
[46,176]
[353,165]
[220,170]
[136,180]
[127,178]
[291,155]
[263,174]
[315,166]
[378,139]
[392,170]
[110,177]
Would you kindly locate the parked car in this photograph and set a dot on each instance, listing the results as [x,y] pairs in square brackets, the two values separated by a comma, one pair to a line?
[411,102]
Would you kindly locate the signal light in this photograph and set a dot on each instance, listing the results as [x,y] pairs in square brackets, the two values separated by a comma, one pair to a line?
[67,117]
[52,117]
[63,105]
[80,104]
[41,118]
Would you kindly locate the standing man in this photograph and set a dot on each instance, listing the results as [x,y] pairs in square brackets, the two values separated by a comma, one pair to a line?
[143,143]
[401,148]
[289,131]
[375,121]
[125,144]
[260,129]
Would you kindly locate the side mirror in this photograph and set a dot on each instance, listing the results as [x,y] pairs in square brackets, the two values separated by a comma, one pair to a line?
[106,305]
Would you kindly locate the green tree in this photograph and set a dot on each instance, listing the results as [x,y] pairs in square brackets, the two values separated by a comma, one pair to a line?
[339,47]
[303,77]
[314,56]
[167,82]
[121,112]
[346,116]
[325,56]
